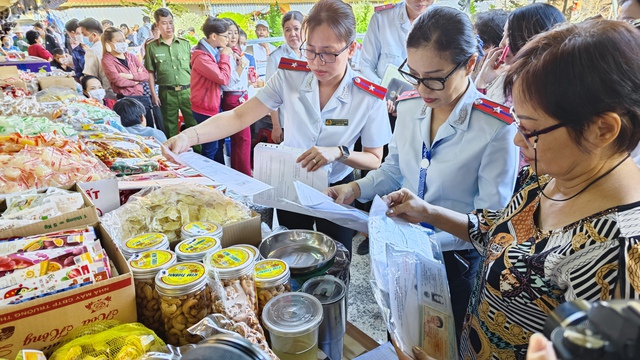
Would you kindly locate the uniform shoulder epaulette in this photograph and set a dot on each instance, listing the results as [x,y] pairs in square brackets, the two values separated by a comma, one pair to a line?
[494,109]
[373,89]
[292,64]
[411,94]
[383,7]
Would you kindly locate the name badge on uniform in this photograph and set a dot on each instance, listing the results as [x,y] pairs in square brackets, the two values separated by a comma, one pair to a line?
[336,122]
[424,164]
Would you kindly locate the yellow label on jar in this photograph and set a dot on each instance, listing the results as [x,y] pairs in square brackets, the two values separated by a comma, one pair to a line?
[182,274]
[145,241]
[250,249]
[151,259]
[230,258]
[200,228]
[198,245]
[270,269]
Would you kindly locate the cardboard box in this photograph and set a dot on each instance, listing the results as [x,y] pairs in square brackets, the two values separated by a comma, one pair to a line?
[40,324]
[9,76]
[57,81]
[243,232]
[84,216]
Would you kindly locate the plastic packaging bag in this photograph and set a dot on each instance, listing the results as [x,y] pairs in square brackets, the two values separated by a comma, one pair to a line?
[109,342]
[168,208]
[408,278]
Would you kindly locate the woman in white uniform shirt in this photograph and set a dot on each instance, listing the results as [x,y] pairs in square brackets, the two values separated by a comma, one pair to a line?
[450,146]
[292,31]
[331,105]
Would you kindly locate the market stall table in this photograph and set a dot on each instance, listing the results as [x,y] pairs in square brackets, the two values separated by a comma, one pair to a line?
[29,63]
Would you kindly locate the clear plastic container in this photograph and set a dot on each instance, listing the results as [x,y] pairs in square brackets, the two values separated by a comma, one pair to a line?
[199,228]
[185,299]
[196,248]
[233,267]
[292,320]
[272,279]
[145,266]
[144,242]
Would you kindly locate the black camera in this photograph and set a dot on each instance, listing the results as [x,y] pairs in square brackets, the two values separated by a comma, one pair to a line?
[600,330]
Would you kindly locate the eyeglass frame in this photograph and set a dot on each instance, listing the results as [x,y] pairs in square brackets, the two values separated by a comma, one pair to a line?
[224,36]
[528,135]
[422,80]
[315,54]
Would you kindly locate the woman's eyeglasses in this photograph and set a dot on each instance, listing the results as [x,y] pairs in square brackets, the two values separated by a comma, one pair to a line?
[325,57]
[527,135]
[435,84]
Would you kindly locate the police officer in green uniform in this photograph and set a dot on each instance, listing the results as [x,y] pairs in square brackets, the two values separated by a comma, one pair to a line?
[167,60]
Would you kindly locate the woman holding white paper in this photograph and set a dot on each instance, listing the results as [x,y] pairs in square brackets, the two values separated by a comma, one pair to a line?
[329,104]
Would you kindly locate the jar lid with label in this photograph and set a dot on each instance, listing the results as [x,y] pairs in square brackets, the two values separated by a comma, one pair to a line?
[252,249]
[328,289]
[230,263]
[181,279]
[271,272]
[292,314]
[196,248]
[199,228]
[145,265]
[144,242]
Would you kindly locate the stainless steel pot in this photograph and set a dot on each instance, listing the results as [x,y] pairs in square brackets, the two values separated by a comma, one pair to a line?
[304,251]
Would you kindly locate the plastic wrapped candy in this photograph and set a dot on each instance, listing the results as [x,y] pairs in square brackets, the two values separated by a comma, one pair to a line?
[108,146]
[31,125]
[31,162]
[133,166]
[166,209]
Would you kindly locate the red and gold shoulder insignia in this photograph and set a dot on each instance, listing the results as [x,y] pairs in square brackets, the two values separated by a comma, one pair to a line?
[494,109]
[383,7]
[411,94]
[292,64]
[373,89]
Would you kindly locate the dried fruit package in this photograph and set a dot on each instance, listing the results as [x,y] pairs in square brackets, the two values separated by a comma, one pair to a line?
[166,209]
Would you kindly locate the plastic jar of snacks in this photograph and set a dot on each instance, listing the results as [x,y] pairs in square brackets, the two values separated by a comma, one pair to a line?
[233,266]
[199,228]
[145,266]
[196,248]
[272,279]
[252,249]
[144,242]
[185,299]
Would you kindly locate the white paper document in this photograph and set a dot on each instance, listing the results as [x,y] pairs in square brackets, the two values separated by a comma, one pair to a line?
[234,180]
[276,165]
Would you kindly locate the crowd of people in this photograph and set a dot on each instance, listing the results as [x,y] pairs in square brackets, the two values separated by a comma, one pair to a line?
[517,127]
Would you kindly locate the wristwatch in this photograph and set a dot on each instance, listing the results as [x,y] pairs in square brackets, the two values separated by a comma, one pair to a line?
[345,153]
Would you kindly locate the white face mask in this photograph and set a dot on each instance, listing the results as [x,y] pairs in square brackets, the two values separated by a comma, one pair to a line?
[120,47]
[243,48]
[79,38]
[97,94]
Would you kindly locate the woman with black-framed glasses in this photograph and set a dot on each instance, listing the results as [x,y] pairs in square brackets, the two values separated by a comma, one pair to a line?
[450,147]
[329,104]
[572,230]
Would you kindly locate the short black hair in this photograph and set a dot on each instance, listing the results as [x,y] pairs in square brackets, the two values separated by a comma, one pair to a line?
[490,26]
[130,111]
[146,19]
[4,36]
[57,51]
[91,25]
[85,80]
[71,25]
[32,36]
[214,25]
[38,25]
[106,23]
[529,21]
[162,12]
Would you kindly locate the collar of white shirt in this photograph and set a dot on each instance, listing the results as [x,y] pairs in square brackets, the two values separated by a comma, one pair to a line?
[310,85]
[459,117]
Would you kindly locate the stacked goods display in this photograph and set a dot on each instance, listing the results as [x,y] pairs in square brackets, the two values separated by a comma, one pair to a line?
[33,162]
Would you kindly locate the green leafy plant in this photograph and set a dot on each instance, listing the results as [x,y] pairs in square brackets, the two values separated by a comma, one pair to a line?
[243,20]
[363,12]
[274,19]
[190,19]
[150,6]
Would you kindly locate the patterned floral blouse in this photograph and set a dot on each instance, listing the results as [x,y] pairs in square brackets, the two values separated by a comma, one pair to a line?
[525,272]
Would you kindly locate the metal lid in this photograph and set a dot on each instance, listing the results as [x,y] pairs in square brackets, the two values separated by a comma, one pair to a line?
[292,314]
[328,289]
[197,228]
[146,264]
[271,272]
[225,346]
[148,241]
[196,248]
[230,262]
[181,279]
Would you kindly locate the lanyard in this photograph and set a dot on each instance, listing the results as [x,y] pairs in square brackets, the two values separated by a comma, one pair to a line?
[424,165]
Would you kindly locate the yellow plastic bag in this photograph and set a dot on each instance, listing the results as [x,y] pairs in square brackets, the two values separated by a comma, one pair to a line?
[120,342]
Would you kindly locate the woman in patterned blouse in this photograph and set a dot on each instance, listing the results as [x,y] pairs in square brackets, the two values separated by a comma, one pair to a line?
[567,230]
